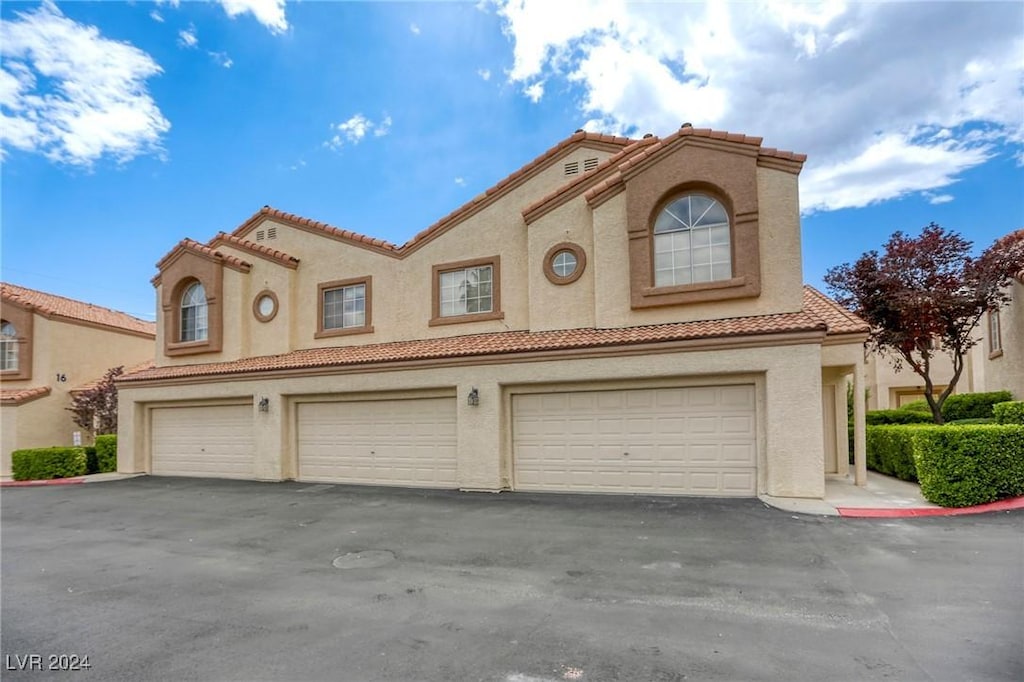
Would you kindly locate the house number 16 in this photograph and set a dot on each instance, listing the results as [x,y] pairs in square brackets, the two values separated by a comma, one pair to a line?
[62,377]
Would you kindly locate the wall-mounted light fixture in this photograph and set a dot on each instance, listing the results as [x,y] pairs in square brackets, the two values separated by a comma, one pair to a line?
[264,404]
[474,397]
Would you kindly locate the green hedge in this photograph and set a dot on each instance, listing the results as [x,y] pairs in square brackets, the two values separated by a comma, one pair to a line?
[890,450]
[900,416]
[1010,412]
[106,452]
[45,463]
[960,466]
[972,405]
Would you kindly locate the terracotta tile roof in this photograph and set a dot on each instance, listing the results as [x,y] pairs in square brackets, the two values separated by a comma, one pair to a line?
[469,208]
[576,186]
[203,250]
[492,344]
[838,319]
[148,364]
[612,172]
[17,396]
[256,249]
[314,225]
[59,306]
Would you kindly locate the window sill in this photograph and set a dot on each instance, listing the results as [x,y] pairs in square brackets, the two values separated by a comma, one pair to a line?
[15,374]
[736,287]
[344,331]
[459,319]
[995,354]
[189,348]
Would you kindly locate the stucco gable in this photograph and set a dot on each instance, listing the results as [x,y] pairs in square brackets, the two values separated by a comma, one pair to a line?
[579,140]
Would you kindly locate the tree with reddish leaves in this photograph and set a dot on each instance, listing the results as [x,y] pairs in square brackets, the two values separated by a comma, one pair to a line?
[95,408]
[925,295]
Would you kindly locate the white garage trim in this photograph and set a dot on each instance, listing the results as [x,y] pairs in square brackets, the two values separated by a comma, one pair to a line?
[402,441]
[202,440]
[694,440]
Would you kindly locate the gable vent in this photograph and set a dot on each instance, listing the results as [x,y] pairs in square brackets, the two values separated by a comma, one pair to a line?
[572,168]
[271,233]
[260,235]
[589,165]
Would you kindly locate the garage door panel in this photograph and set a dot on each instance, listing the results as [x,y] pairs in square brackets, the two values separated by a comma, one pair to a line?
[695,440]
[214,441]
[379,442]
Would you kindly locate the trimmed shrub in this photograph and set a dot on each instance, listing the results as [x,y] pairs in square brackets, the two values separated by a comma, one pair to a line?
[918,406]
[900,416]
[979,420]
[972,405]
[891,451]
[106,453]
[960,466]
[36,464]
[1010,412]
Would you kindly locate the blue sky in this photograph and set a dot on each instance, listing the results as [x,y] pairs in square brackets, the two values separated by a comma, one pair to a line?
[128,126]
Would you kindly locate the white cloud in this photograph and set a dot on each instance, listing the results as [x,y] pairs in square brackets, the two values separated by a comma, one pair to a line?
[414,29]
[298,165]
[156,16]
[936,199]
[353,130]
[72,95]
[885,98]
[221,58]
[270,13]
[534,91]
[187,37]
[460,181]
[484,73]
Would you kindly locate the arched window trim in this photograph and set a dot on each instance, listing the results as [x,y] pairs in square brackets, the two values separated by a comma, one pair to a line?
[9,355]
[193,313]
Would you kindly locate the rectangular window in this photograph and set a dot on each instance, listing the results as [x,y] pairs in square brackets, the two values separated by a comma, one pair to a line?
[344,307]
[8,355]
[995,333]
[466,291]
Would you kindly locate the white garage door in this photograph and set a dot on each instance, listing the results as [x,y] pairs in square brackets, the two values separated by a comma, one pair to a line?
[679,441]
[379,442]
[203,441]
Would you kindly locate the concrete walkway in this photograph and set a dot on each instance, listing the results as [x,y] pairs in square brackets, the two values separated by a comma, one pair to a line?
[882,497]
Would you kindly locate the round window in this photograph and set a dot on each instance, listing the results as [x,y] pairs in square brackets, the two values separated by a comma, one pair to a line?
[564,263]
[264,307]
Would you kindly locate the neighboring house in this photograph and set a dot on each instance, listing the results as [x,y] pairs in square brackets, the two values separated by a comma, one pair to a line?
[999,360]
[617,316]
[49,346]
[995,363]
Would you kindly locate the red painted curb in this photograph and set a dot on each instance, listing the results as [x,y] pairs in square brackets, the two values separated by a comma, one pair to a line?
[29,484]
[872,513]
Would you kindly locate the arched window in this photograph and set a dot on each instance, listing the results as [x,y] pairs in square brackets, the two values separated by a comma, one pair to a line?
[8,346]
[691,242]
[194,325]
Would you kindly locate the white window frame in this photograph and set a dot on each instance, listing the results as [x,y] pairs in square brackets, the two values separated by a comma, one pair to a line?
[347,309]
[691,246]
[454,299]
[8,347]
[193,314]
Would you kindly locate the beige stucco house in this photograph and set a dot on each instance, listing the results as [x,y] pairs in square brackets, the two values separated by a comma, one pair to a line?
[618,315]
[995,363]
[51,345]
[998,361]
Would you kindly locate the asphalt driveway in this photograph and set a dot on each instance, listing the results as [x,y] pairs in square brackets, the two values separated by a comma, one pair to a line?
[176,579]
